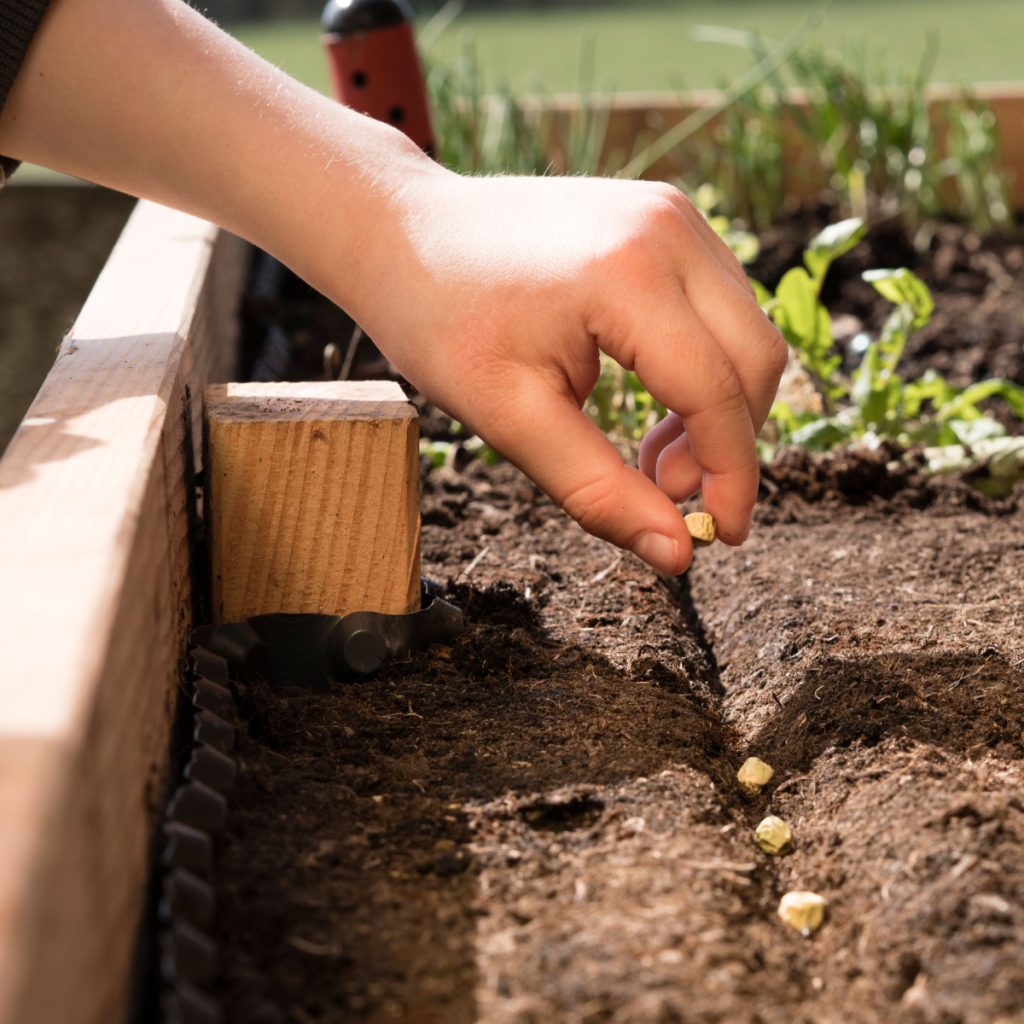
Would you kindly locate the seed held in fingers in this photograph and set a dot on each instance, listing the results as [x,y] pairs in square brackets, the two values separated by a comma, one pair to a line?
[773,835]
[802,911]
[701,526]
[754,775]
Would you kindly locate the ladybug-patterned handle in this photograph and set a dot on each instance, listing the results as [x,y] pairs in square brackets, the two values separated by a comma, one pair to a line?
[375,67]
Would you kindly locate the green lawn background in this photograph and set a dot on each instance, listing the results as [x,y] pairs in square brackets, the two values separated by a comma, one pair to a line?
[649,46]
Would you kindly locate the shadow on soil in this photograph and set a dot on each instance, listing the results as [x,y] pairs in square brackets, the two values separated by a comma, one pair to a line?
[348,864]
[961,703]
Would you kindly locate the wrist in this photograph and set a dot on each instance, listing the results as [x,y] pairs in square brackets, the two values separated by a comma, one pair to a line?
[339,207]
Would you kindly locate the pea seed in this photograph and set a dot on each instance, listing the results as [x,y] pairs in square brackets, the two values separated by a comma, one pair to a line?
[773,835]
[802,911]
[754,775]
[702,528]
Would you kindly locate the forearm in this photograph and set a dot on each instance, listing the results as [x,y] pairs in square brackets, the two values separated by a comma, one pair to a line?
[493,295]
[150,98]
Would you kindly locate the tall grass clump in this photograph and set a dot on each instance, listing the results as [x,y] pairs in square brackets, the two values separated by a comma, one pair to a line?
[865,128]
[871,134]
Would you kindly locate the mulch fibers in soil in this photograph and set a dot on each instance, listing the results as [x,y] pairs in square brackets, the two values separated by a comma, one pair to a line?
[541,823]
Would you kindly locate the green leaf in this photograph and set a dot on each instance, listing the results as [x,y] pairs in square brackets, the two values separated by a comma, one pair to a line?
[965,404]
[873,393]
[821,434]
[1005,458]
[864,375]
[995,464]
[805,323]
[903,288]
[981,429]
[765,451]
[798,302]
[787,421]
[932,387]
[440,453]
[947,458]
[827,246]
[744,245]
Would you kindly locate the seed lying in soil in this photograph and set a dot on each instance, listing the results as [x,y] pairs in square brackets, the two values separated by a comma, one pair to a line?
[802,911]
[701,526]
[754,775]
[773,835]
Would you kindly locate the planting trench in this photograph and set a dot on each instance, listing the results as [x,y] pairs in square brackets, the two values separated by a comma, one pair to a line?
[541,822]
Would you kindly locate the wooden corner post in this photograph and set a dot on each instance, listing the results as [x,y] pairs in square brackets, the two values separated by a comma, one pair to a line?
[313,498]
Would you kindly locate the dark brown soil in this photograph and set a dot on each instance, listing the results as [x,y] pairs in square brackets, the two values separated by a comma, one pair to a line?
[541,823]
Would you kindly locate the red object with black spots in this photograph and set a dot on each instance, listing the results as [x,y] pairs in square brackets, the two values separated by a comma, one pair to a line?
[374,65]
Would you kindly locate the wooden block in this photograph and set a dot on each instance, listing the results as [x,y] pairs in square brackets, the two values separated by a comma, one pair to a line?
[313,492]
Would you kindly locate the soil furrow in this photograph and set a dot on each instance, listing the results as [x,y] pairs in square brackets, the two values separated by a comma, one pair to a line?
[541,823]
[891,702]
[430,845]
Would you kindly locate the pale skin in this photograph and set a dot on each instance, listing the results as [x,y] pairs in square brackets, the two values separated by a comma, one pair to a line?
[492,295]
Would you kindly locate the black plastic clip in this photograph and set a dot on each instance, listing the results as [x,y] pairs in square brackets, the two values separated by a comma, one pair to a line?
[314,651]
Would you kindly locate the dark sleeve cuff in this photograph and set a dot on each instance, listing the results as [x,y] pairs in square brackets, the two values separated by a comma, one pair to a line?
[19,20]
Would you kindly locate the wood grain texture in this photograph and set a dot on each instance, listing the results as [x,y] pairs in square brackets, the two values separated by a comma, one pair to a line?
[95,491]
[313,498]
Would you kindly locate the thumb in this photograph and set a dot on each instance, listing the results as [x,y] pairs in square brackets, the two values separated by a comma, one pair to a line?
[555,444]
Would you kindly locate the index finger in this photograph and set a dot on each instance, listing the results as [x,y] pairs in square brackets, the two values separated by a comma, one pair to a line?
[684,368]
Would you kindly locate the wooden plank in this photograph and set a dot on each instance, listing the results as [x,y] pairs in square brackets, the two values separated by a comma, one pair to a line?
[313,498]
[95,493]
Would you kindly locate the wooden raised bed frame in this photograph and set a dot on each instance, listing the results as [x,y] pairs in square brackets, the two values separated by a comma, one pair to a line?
[95,492]
[95,496]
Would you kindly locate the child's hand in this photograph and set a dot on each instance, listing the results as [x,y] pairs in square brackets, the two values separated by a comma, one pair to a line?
[495,296]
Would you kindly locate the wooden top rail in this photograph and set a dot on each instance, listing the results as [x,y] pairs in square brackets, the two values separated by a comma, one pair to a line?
[96,490]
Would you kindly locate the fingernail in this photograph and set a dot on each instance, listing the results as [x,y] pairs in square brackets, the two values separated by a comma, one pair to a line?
[659,551]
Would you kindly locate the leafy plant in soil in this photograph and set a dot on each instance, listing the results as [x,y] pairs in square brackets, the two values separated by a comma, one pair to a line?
[888,159]
[874,137]
[875,404]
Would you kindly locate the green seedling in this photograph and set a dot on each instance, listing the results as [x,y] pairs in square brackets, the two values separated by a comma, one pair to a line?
[445,453]
[876,403]
[798,312]
[871,132]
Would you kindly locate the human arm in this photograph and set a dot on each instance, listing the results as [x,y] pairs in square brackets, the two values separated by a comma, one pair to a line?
[492,295]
